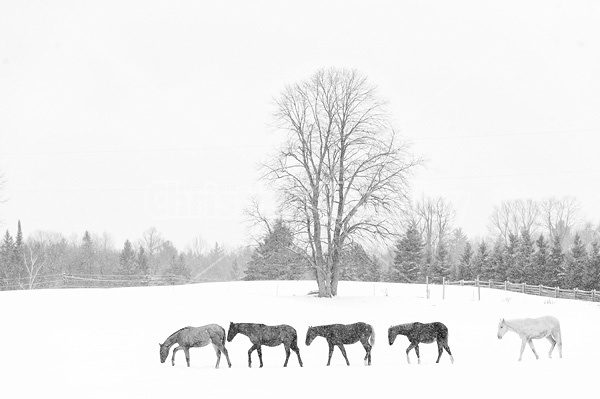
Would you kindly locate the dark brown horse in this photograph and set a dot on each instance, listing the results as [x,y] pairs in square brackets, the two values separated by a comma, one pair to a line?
[422,333]
[190,337]
[260,334]
[342,334]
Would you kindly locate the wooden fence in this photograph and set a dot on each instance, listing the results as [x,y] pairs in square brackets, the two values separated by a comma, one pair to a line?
[89,281]
[540,290]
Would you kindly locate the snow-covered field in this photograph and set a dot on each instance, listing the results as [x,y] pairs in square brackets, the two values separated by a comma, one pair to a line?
[103,343]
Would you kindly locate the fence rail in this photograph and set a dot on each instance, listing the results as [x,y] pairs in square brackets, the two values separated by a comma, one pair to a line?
[540,290]
[89,281]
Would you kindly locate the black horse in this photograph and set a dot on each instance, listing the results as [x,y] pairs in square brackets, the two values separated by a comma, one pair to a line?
[425,333]
[261,334]
[340,334]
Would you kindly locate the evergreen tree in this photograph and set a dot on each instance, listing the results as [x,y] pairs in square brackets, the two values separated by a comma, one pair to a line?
[127,259]
[464,270]
[19,238]
[541,262]
[178,267]
[525,263]
[355,263]
[497,262]
[87,255]
[440,266]
[575,264]
[142,262]
[592,271]
[274,258]
[556,266]
[373,270]
[513,273]
[480,262]
[409,257]
[235,272]
[7,259]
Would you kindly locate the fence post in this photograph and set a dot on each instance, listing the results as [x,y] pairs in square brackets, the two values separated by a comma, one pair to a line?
[505,285]
[427,286]
[443,287]
[574,293]
[593,295]
[556,292]
[478,289]
[462,282]
[540,290]
[523,288]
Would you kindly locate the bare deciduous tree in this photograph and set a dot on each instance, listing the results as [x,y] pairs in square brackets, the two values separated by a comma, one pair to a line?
[342,174]
[514,217]
[434,217]
[152,241]
[559,216]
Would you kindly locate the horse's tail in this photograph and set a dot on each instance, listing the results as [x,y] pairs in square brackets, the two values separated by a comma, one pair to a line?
[372,337]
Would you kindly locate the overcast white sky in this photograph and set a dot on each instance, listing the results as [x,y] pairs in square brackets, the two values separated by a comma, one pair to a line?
[120,115]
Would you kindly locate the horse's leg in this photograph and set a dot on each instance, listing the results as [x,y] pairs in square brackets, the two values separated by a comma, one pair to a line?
[558,337]
[218,353]
[552,344]
[224,350]
[523,342]
[186,350]
[365,343]
[287,354]
[418,354]
[252,348]
[341,346]
[295,348]
[259,350]
[440,350]
[530,342]
[445,345]
[408,350]
[330,352]
[174,352]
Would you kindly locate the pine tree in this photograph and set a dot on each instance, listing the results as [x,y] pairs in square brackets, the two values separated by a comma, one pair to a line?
[556,266]
[513,273]
[464,270]
[440,266]
[178,267]
[274,258]
[575,264]
[497,263]
[19,238]
[127,259]
[87,255]
[355,263]
[592,270]
[525,258]
[142,262]
[409,257]
[541,261]
[480,262]
[7,258]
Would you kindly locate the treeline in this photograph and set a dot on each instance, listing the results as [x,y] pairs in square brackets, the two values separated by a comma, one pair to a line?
[40,260]
[529,242]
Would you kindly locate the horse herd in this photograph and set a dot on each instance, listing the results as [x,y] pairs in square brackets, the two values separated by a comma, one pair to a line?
[346,334]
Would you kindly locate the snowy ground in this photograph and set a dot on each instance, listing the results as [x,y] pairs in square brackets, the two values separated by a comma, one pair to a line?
[103,343]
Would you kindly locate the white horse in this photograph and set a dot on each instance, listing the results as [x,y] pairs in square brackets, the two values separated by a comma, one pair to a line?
[529,329]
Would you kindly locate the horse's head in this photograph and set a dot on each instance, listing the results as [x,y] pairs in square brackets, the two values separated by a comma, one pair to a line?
[233,330]
[392,335]
[164,352]
[502,328]
[310,335]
